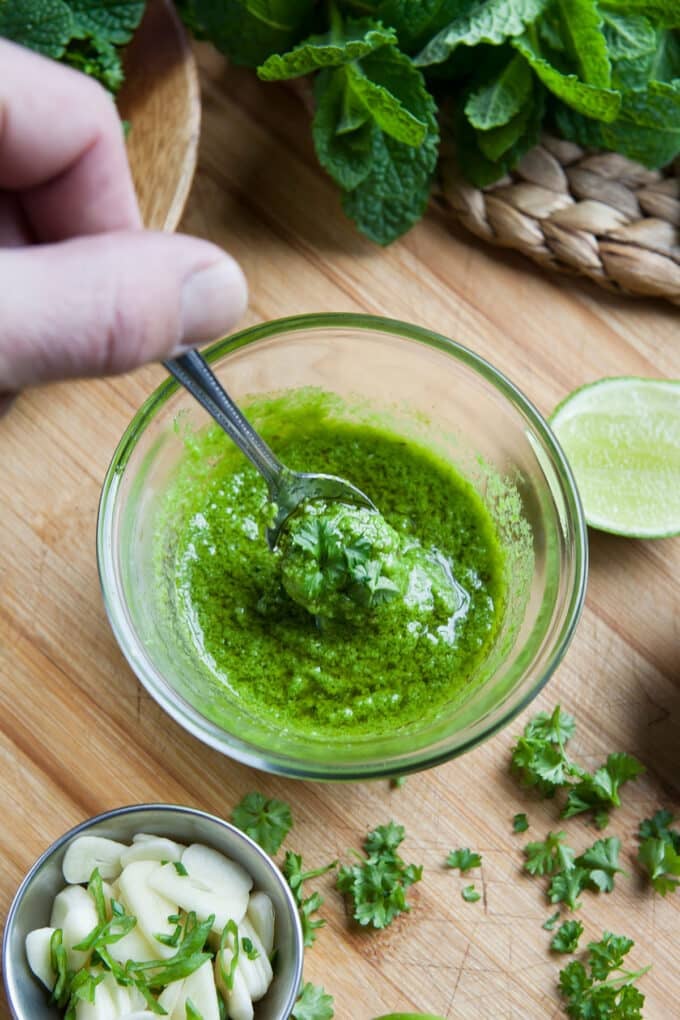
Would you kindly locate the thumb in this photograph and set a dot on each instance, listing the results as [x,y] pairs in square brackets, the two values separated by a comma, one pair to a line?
[106,304]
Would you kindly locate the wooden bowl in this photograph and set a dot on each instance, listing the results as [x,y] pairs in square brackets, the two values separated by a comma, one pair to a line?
[161,100]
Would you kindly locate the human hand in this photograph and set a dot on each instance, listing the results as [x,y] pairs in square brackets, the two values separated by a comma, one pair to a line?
[84,290]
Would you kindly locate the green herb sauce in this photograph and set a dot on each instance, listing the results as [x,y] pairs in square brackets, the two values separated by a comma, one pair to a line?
[371,655]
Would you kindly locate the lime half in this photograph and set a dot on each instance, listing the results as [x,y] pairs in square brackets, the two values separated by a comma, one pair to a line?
[622,439]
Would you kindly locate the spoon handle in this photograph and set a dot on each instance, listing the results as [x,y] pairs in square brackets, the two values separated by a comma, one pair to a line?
[194,373]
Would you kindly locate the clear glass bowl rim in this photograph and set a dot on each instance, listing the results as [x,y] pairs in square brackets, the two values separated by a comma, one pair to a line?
[215,736]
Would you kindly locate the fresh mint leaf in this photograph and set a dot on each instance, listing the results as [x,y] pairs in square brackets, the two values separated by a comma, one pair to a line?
[628,36]
[112,21]
[45,26]
[487,21]
[394,194]
[665,13]
[415,23]
[358,39]
[585,42]
[496,102]
[98,59]
[565,939]
[665,61]
[484,157]
[249,31]
[470,894]
[346,155]
[591,100]
[268,822]
[463,859]
[388,112]
[313,1003]
[648,126]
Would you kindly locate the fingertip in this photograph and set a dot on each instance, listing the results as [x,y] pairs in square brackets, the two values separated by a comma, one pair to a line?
[213,299]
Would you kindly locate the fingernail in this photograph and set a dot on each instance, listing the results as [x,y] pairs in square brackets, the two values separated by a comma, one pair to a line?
[212,300]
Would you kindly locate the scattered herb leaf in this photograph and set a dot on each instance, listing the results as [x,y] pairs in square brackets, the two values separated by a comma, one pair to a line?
[470,894]
[565,939]
[268,822]
[464,859]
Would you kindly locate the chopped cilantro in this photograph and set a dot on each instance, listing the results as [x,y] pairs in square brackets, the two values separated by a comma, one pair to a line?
[180,869]
[520,822]
[550,923]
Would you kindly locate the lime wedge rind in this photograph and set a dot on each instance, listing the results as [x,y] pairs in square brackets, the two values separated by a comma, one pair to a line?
[621,436]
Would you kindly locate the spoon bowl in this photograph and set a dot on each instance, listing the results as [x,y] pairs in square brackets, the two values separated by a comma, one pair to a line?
[288,489]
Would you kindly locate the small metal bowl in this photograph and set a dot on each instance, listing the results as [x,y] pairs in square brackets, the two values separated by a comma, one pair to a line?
[32,904]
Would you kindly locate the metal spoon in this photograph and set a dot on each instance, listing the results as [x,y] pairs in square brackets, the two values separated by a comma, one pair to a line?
[287,489]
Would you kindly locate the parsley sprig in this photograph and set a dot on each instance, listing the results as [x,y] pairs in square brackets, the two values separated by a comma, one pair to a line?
[603,988]
[267,821]
[594,869]
[308,906]
[377,885]
[313,1003]
[540,760]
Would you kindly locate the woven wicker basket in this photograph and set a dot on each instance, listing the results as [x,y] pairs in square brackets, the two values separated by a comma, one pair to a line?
[597,214]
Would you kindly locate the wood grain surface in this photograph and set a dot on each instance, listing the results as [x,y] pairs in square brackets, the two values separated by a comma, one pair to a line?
[78,735]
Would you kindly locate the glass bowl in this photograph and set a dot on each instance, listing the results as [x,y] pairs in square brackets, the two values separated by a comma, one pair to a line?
[32,905]
[430,389]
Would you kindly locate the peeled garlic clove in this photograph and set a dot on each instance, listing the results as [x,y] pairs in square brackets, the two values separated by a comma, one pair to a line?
[169,997]
[148,905]
[89,852]
[221,889]
[74,912]
[155,848]
[237,998]
[260,913]
[135,946]
[200,988]
[257,973]
[102,1008]
[39,957]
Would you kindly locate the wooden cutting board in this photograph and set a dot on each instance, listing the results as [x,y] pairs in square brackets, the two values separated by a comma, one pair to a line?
[78,735]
